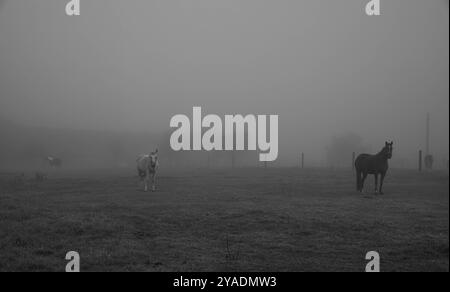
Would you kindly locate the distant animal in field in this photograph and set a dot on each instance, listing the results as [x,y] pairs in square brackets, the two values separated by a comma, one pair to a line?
[53,161]
[147,166]
[377,164]
[40,177]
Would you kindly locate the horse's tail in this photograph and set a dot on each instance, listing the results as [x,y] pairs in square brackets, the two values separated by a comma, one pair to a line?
[358,180]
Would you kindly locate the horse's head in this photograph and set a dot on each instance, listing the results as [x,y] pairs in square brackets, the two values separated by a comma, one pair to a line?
[154,158]
[387,150]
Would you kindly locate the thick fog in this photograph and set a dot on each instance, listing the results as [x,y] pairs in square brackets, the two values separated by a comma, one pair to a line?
[116,74]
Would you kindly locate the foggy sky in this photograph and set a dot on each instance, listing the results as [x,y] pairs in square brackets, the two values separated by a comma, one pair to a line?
[323,66]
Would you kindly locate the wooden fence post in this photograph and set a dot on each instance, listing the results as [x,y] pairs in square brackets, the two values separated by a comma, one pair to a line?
[420,160]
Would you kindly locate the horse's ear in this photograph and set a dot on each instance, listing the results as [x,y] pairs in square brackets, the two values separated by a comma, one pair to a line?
[386,143]
[156,151]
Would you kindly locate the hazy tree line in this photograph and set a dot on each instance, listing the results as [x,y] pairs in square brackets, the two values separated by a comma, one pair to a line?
[22,146]
[27,146]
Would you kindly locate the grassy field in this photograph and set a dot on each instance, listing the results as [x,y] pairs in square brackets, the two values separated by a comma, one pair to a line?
[223,220]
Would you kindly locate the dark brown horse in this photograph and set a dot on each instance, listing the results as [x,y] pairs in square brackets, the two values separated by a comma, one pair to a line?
[373,164]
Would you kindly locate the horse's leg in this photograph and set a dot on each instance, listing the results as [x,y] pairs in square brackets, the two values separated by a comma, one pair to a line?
[363,180]
[141,178]
[381,182]
[153,182]
[358,180]
[376,182]
[146,180]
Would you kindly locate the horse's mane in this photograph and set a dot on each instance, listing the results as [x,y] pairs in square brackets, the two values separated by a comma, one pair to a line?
[383,151]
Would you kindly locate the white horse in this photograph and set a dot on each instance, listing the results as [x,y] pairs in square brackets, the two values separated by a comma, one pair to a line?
[147,165]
